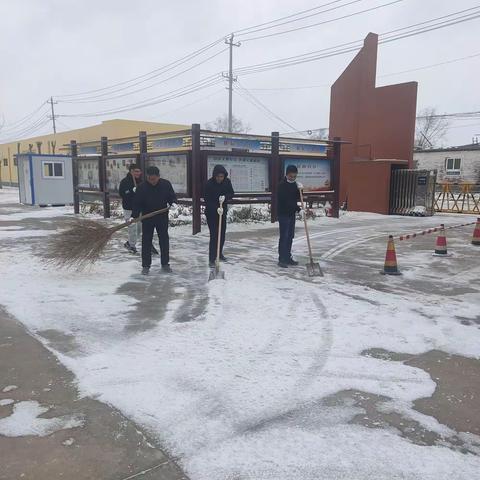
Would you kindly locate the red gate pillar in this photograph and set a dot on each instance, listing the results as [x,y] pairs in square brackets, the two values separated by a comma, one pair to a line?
[336,176]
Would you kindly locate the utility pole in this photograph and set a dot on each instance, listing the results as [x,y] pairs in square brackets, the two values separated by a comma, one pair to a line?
[231,79]
[51,102]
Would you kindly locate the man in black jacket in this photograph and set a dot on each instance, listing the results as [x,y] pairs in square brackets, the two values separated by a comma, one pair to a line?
[154,194]
[126,190]
[219,185]
[288,196]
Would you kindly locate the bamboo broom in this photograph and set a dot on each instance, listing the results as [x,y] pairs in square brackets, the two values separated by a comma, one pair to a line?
[82,244]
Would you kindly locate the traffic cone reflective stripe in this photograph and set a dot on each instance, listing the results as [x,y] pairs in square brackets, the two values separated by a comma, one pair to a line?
[441,243]
[476,233]
[390,267]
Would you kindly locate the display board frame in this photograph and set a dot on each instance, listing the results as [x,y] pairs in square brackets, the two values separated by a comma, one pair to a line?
[322,187]
[214,157]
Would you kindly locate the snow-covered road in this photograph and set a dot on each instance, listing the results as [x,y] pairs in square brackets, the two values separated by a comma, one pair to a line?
[256,377]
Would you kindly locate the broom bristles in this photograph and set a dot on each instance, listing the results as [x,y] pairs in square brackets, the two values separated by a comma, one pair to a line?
[80,245]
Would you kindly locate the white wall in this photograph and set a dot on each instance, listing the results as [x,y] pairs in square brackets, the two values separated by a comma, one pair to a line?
[469,169]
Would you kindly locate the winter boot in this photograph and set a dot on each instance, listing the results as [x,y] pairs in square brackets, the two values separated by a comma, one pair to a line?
[130,248]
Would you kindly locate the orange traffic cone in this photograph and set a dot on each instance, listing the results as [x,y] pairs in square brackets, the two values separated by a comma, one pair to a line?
[390,267]
[441,244]
[476,233]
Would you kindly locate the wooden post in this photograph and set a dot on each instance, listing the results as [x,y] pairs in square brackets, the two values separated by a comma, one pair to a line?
[275,169]
[196,175]
[336,177]
[102,175]
[76,196]
[142,143]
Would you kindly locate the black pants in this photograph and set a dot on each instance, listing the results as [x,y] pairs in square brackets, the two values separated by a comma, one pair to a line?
[160,224]
[212,221]
[286,224]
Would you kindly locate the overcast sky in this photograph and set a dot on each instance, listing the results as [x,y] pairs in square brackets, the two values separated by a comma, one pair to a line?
[62,47]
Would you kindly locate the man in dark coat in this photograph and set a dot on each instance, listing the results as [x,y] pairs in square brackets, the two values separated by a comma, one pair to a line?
[287,197]
[154,194]
[126,190]
[219,185]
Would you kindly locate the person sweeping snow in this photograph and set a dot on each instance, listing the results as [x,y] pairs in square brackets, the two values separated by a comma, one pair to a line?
[126,190]
[288,197]
[219,185]
[154,194]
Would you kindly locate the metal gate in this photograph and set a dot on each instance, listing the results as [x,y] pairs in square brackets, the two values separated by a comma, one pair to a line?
[412,192]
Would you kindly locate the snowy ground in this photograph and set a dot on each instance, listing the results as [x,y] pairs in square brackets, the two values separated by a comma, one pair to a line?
[269,374]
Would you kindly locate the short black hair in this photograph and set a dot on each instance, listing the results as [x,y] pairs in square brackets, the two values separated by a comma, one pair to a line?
[132,166]
[292,169]
[153,170]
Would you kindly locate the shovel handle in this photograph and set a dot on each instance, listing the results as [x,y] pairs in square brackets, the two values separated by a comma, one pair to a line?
[306,226]
[219,235]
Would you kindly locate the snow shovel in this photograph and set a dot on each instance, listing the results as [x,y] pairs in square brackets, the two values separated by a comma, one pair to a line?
[313,268]
[215,273]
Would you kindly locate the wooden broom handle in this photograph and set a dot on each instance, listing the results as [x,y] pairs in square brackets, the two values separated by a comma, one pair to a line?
[140,218]
[149,215]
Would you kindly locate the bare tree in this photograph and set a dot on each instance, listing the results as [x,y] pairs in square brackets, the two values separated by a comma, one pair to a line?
[220,124]
[430,129]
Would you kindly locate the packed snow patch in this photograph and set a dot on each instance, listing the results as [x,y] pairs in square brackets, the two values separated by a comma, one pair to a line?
[25,421]
[9,388]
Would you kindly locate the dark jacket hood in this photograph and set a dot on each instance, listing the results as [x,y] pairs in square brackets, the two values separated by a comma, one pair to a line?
[217,169]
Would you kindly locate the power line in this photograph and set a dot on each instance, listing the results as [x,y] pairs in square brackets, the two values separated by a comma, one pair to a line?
[324,22]
[160,70]
[457,115]
[97,98]
[177,93]
[201,99]
[239,32]
[358,43]
[353,46]
[263,106]
[301,18]
[17,123]
[325,85]
[152,73]
[27,132]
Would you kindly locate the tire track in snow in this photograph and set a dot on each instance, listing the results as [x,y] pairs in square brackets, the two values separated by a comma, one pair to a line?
[325,345]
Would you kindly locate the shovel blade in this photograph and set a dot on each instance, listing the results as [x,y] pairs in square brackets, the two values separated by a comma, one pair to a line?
[314,270]
[216,274]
